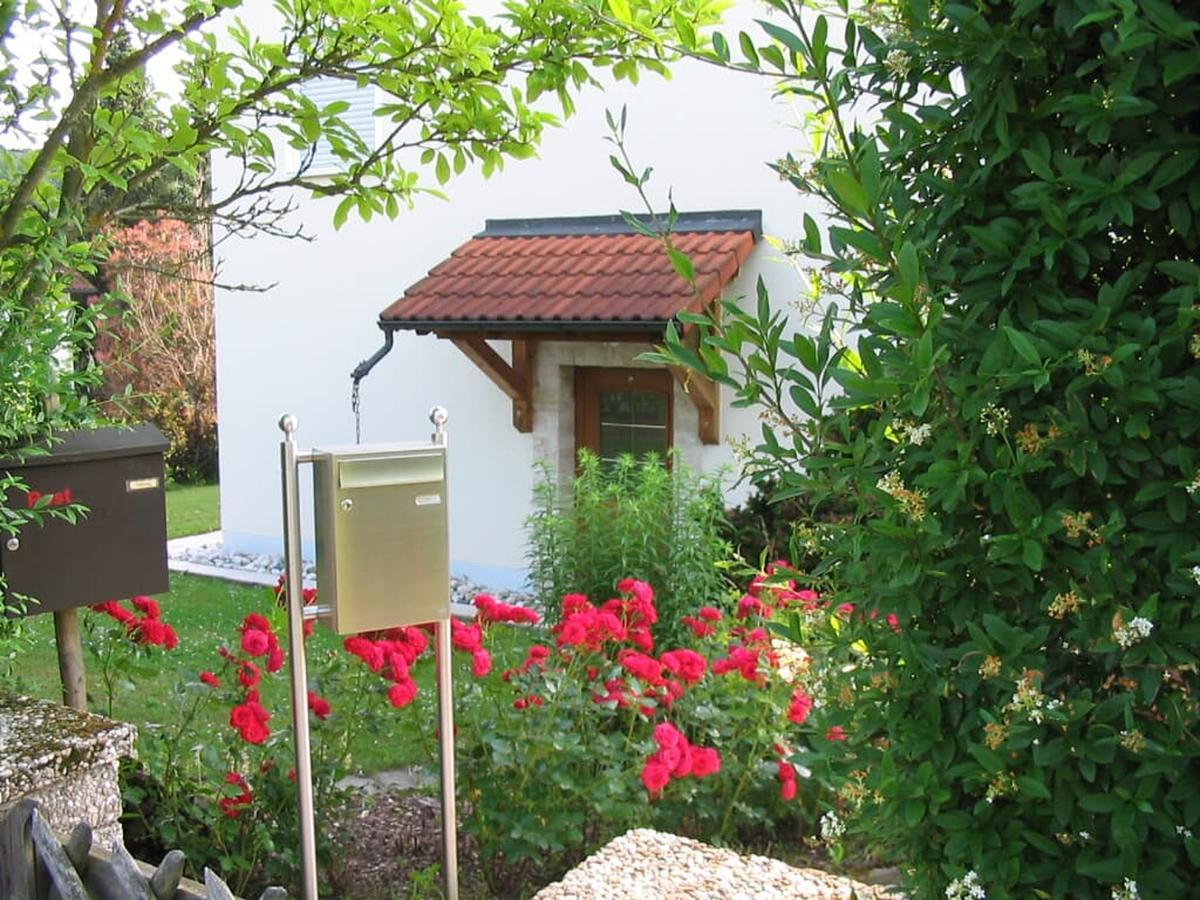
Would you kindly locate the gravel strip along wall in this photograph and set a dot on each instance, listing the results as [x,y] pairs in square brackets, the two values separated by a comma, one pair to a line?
[462,590]
[650,865]
[66,760]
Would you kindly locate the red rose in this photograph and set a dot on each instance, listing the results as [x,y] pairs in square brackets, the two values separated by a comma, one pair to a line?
[210,679]
[800,706]
[787,780]
[256,620]
[255,732]
[402,693]
[147,605]
[319,705]
[687,664]
[466,637]
[481,663]
[835,733]
[705,761]
[699,629]
[255,642]
[640,666]
[248,674]
[656,775]
[667,735]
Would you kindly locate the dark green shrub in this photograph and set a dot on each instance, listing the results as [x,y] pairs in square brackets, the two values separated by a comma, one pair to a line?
[1014,240]
[771,525]
[760,529]
[635,519]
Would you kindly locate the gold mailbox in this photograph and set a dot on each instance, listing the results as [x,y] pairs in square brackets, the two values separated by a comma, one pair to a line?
[383,549]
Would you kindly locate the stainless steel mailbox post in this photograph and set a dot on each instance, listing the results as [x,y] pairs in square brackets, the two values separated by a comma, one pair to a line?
[383,561]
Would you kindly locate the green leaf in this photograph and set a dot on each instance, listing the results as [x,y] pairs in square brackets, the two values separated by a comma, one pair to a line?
[785,37]
[1038,165]
[812,235]
[748,51]
[847,190]
[1179,65]
[620,11]
[342,212]
[1024,347]
[910,269]
[682,263]
[1032,554]
[1033,787]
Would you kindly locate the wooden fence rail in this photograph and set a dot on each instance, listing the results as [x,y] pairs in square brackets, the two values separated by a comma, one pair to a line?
[36,865]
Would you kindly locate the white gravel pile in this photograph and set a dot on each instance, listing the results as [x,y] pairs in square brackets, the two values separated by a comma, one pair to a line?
[650,865]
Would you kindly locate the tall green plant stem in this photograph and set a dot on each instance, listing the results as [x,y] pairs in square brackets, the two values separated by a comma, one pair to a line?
[765,709]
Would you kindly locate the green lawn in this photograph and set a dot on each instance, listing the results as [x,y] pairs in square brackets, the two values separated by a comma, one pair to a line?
[206,613]
[192,509]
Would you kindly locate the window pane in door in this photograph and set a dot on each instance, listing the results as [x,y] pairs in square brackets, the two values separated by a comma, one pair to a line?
[633,422]
[617,406]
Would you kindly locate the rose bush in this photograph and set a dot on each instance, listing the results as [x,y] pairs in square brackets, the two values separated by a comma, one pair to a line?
[607,730]
[572,734]
[228,798]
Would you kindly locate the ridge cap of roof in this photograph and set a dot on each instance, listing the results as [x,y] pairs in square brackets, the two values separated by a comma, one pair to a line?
[567,226]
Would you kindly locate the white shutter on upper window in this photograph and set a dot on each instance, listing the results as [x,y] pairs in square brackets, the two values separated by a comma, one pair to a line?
[360,117]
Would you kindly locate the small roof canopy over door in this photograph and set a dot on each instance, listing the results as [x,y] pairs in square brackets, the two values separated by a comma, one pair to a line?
[592,278]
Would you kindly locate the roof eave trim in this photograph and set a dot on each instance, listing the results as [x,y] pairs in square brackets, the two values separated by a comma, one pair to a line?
[533,326]
[709,221]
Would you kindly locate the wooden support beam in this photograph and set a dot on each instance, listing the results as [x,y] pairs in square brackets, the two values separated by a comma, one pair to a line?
[515,380]
[522,363]
[706,398]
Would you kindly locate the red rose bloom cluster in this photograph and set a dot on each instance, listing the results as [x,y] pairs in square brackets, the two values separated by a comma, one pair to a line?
[705,625]
[232,806]
[676,758]
[469,639]
[250,719]
[767,593]
[259,639]
[535,658]
[58,498]
[319,705]
[750,657]
[629,618]
[392,654]
[787,780]
[492,610]
[800,706]
[148,628]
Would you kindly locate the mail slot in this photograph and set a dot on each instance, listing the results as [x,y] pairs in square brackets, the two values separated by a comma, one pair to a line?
[119,548]
[382,534]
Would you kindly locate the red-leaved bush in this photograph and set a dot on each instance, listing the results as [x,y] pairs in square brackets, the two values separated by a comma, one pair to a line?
[163,345]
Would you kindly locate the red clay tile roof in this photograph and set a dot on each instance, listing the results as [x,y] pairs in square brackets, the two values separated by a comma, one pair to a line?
[512,275]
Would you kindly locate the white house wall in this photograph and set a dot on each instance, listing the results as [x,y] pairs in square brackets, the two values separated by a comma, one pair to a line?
[708,133]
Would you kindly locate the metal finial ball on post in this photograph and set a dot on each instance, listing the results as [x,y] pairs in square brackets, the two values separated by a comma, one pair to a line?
[288,423]
[439,416]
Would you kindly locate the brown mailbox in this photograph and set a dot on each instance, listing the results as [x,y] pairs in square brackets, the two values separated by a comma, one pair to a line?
[119,548]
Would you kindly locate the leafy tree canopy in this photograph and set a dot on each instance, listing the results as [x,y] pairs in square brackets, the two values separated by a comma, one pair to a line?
[86,146]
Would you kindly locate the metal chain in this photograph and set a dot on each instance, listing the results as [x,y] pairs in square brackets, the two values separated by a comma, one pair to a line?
[356,407]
